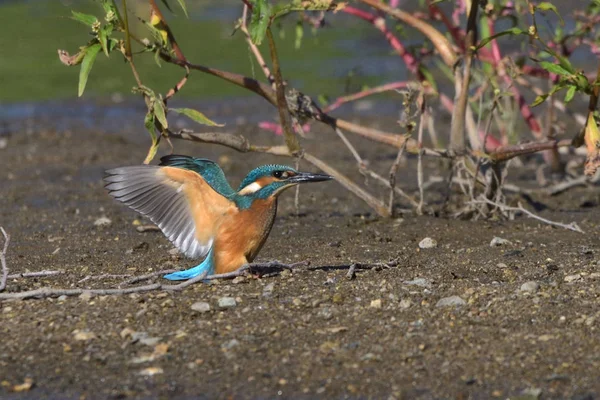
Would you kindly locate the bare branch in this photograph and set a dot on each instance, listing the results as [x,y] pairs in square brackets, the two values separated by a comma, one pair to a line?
[3,259]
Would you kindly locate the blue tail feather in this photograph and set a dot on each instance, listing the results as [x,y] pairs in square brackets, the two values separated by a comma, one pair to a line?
[205,266]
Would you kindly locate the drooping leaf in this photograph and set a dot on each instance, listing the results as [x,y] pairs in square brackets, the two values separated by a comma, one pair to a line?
[570,93]
[85,19]
[546,6]
[554,68]
[592,143]
[86,66]
[103,36]
[166,3]
[149,124]
[196,116]
[511,31]
[259,22]
[159,112]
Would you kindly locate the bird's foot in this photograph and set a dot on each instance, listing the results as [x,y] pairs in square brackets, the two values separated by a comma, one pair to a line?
[187,274]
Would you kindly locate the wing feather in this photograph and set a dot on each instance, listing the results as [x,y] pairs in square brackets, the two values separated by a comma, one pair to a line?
[179,201]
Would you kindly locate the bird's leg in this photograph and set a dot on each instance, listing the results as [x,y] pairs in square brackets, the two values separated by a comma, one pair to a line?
[248,268]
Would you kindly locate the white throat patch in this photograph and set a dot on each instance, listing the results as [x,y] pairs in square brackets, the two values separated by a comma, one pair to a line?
[251,188]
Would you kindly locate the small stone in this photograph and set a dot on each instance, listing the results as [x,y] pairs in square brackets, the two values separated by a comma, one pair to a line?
[227,302]
[230,344]
[376,303]
[531,393]
[150,341]
[268,290]
[452,301]
[337,298]
[422,282]
[201,307]
[86,296]
[151,371]
[530,287]
[498,241]
[405,303]
[238,279]
[3,143]
[501,265]
[174,251]
[427,243]
[572,278]
[102,221]
[297,302]
[83,335]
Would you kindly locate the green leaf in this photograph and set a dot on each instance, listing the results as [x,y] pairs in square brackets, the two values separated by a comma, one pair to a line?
[157,58]
[261,17]
[196,116]
[539,100]
[86,65]
[511,31]
[183,7]
[299,35]
[428,76]
[554,68]
[570,93]
[103,35]
[85,19]
[546,6]
[166,3]
[159,112]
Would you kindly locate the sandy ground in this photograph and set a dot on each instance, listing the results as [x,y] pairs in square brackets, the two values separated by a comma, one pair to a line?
[310,333]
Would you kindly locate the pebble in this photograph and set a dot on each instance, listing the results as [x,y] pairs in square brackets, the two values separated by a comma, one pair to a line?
[419,282]
[201,307]
[102,221]
[151,371]
[376,303]
[452,301]
[427,243]
[572,278]
[268,290]
[530,287]
[227,302]
[405,303]
[230,344]
[3,143]
[498,241]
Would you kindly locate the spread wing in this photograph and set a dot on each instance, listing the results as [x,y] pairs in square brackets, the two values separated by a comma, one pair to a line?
[183,205]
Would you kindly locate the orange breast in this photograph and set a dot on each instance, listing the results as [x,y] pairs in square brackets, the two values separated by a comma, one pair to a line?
[240,238]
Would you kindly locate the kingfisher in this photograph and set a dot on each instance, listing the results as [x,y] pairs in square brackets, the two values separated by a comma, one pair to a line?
[199,212]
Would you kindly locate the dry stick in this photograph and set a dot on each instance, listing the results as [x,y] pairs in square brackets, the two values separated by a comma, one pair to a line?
[145,277]
[254,48]
[572,226]
[350,147]
[373,202]
[386,183]
[38,274]
[291,140]
[392,178]
[458,141]
[3,259]
[103,276]
[423,116]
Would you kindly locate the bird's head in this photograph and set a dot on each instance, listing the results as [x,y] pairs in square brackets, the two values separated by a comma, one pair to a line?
[270,180]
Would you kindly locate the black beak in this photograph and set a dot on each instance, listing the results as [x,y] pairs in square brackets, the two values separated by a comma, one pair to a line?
[303,177]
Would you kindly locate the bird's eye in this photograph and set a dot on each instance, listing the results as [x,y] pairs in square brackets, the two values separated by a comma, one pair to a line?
[277,174]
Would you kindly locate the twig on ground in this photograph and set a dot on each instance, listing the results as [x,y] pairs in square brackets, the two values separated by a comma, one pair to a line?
[103,276]
[3,259]
[145,277]
[38,274]
[503,207]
